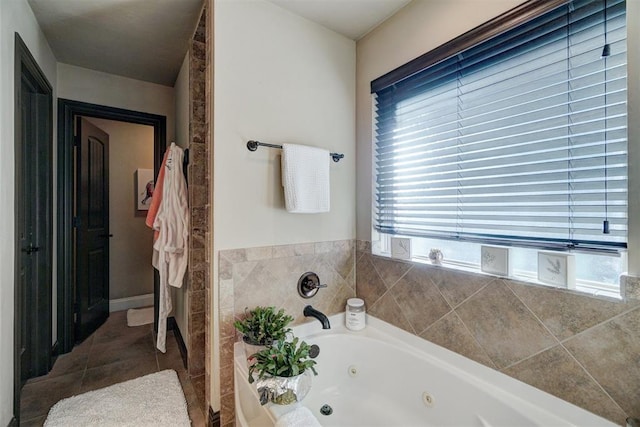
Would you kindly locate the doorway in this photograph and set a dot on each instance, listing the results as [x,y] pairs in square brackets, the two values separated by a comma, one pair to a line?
[70,299]
[33,220]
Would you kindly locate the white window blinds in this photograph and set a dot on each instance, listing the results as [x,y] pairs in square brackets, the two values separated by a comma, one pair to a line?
[520,140]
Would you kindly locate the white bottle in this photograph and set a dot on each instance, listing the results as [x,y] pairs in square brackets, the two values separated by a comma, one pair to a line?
[355,314]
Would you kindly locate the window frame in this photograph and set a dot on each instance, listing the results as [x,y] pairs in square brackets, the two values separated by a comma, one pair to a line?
[510,19]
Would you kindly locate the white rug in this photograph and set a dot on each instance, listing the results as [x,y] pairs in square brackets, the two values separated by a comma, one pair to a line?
[153,400]
[139,316]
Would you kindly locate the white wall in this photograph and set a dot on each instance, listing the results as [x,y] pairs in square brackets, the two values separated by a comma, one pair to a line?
[15,16]
[424,25]
[278,78]
[130,248]
[95,87]
[181,90]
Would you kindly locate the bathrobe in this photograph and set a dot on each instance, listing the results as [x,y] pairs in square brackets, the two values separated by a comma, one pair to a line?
[171,248]
[155,205]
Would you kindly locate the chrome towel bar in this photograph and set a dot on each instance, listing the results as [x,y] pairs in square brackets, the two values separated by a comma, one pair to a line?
[253,146]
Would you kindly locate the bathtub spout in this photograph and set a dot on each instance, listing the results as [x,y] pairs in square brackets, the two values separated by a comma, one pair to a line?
[312,312]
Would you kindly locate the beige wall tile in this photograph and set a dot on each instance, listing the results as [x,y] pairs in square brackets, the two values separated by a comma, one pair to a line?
[503,326]
[339,301]
[456,286]
[225,293]
[631,287]
[284,251]
[389,269]
[323,247]
[387,309]
[610,353]
[225,268]
[413,293]
[450,332]
[342,261]
[556,372]
[363,246]
[567,313]
[234,255]
[369,285]
[257,254]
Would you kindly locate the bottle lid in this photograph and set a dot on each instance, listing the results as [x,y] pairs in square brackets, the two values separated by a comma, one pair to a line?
[355,302]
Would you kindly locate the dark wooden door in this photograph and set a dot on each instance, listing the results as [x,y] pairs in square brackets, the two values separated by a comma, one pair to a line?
[33,227]
[26,232]
[92,229]
[33,222]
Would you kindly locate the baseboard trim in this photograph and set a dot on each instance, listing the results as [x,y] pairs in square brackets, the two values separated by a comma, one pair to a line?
[14,423]
[137,301]
[181,345]
[214,418]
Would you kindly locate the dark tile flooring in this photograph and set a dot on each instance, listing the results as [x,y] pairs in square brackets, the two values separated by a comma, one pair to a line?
[112,354]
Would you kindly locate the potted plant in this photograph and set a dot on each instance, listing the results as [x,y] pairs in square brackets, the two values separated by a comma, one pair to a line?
[282,372]
[262,326]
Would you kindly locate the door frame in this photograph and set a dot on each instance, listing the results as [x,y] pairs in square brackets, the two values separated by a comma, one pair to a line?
[67,111]
[25,64]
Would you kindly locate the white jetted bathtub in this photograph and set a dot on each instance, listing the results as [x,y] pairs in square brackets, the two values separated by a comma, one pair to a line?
[384,376]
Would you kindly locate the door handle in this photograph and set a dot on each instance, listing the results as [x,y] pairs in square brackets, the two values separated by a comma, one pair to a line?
[30,249]
[105,235]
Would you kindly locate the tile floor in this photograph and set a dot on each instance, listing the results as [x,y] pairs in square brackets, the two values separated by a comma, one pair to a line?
[112,354]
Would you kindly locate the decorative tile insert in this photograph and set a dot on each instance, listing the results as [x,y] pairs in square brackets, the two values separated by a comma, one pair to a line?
[582,349]
[269,276]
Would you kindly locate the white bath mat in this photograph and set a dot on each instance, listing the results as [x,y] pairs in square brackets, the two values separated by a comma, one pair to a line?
[153,400]
[139,316]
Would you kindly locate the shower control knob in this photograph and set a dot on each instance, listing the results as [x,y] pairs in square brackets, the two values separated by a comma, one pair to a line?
[308,285]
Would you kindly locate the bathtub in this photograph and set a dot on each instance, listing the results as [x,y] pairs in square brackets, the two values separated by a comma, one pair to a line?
[384,376]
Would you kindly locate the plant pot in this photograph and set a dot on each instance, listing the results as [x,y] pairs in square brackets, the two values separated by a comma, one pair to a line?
[284,390]
[251,348]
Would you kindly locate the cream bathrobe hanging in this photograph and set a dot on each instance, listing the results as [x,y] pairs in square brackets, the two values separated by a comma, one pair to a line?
[171,249]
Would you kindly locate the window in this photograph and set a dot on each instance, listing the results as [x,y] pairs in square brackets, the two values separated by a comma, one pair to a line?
[519,139]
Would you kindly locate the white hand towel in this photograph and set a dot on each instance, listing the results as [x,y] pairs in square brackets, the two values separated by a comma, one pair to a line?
[299,417]
[305,177]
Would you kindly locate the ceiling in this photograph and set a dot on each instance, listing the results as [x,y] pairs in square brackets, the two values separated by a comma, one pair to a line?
[141,39]
[351,18]
[147,39]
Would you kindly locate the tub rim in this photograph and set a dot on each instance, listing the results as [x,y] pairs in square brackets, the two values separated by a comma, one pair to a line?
[505,388]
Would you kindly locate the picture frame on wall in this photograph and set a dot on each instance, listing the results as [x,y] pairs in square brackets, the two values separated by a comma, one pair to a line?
[496,260]
[145,185]
[556,268]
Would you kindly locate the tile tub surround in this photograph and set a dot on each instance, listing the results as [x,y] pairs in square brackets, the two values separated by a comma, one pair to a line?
[269,276]
[576,347]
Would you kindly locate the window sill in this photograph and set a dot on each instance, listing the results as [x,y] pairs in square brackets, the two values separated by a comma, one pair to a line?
[589,289]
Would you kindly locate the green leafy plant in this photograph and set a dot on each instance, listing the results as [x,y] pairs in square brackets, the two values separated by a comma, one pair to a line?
[283,359]
[264,325]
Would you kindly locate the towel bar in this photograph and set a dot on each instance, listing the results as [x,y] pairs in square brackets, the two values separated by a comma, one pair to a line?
[253,146]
